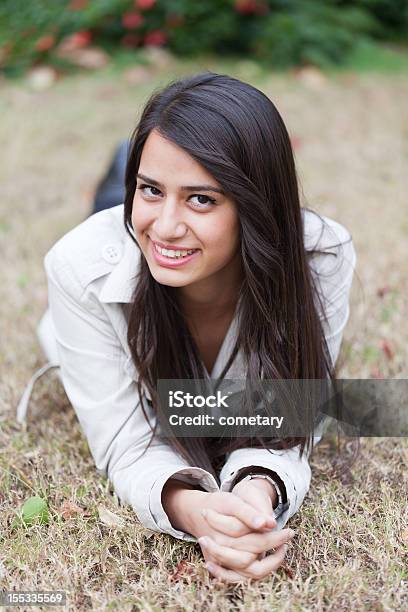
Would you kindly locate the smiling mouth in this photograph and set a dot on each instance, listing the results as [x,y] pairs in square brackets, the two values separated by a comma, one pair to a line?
[173,254]
[171,261]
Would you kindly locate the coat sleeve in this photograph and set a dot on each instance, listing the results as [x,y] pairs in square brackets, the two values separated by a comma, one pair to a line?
[334,269]
[107,404]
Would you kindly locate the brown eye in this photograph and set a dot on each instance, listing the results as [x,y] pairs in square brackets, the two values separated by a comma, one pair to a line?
[143,187]
[210,201]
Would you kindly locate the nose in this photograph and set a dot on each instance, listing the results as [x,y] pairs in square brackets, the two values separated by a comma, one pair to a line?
[169,222]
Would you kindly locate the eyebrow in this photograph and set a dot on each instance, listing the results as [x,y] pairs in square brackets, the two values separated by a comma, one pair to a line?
[184,187]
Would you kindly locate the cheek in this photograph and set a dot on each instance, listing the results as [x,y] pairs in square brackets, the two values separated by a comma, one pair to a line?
[140,216]
[222,239]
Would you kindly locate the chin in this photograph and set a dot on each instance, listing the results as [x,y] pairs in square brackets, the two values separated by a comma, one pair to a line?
[169,282]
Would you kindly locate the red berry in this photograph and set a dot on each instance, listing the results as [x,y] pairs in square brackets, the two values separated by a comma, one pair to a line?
[45,43]
[130,21]
[245,7]
[77,5]
[144,5]
[79,40]
[155,38]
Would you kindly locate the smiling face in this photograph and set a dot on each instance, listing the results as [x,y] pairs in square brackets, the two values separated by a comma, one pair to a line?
[175,206]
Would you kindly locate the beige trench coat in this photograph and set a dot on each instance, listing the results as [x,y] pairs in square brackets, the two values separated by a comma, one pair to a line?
[90,273]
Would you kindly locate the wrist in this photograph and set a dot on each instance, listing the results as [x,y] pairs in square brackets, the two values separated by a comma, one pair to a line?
[268,487]
[259,473]
[180,502]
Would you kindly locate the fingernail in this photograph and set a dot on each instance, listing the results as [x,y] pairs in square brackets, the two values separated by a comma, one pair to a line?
[203,541]
[258,521]
[204,512]
[292,533]
[209,566]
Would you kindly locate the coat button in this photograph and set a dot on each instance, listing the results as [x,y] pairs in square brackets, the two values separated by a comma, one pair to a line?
[112,253]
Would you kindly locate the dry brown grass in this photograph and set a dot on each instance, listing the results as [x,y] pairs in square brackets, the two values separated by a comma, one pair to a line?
[351,534]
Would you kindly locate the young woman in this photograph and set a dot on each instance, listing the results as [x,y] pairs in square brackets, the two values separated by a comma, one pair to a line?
[210,269]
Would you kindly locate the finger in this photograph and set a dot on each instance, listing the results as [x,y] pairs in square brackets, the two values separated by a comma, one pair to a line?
[228,525]
[207,556]
[229,557]
[224,574]
[235,506]
[260,569]
[258,542]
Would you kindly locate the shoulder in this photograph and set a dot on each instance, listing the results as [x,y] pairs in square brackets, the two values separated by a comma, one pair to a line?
[331,256]
[322,232]
[92,248]
[329,244]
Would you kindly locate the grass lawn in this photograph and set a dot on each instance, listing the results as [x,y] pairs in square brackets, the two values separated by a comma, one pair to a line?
[350,136]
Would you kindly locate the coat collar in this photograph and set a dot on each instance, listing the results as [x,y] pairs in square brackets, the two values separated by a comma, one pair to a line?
[121,282]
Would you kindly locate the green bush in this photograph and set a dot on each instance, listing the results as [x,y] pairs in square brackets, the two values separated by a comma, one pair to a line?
[279,33]
[391,15]
[312,33]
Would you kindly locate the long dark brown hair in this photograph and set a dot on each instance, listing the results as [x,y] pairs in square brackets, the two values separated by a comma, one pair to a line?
[236,133]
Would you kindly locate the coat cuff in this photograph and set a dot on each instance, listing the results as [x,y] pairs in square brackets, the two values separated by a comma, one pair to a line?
[294,472]
[191,475]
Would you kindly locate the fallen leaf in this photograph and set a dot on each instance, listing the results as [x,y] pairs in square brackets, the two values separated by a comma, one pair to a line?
[109,518]
[288,571]
[381,291]
[68,510]
[182,570]
[34,510]
[386,347]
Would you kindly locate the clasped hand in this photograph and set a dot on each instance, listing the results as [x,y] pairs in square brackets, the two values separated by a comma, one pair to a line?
[234,530]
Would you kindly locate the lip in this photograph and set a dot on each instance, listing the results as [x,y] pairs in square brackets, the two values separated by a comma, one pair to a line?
[172,247]
[166,262]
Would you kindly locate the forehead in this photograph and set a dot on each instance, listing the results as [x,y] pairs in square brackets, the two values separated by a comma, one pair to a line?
[165,161]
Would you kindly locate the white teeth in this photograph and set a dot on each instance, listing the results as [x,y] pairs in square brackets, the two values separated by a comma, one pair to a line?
[173,254]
